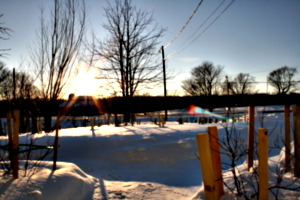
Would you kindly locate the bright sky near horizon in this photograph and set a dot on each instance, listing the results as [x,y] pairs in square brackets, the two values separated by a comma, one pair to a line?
[253,37]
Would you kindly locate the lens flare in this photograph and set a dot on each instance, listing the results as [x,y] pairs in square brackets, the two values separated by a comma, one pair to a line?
[195,110]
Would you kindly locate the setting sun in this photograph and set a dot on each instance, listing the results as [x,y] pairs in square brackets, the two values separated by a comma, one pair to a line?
[85,84]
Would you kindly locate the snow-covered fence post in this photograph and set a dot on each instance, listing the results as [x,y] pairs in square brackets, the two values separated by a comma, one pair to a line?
[263,164]
[287,139]
[296,116]
[206,163]
[250,137]
[216,159]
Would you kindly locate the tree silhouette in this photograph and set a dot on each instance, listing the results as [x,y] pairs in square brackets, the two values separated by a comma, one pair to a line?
[242,83]
[4,72]
[129,54]
[6,32]
[24,84]
[282,79]
[55,54]
[205,80]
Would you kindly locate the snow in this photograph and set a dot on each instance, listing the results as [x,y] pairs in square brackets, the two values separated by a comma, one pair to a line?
[130,162]
[67,182]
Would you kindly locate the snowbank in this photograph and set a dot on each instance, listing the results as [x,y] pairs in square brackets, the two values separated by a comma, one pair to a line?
[67,182]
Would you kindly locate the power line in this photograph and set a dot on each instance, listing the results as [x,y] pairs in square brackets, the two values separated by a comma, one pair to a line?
[270,70]
[190,37]
[258,82]
[184,25]
[204,29]
[208,26]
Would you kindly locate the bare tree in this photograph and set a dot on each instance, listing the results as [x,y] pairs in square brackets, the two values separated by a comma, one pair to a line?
[56,52]
[24,87]
[205,80]
[4,72]
[4,31]
[190,87]
[283,80]
[5,81]
[241,84]
[20,92]
[129,54]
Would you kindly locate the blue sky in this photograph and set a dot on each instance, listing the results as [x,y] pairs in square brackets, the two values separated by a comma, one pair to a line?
[253,37]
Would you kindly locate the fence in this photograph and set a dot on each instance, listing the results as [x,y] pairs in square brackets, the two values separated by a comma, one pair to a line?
[210,161]
[13,143]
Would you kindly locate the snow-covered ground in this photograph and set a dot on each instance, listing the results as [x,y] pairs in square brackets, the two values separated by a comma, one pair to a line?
[128,162]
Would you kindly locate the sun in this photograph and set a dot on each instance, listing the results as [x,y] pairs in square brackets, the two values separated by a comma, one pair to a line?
[86,84]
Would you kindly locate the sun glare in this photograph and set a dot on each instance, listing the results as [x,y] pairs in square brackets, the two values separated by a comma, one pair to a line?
[85,84]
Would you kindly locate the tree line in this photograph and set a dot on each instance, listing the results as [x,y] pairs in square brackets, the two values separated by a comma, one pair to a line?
[208,79]
[16,85]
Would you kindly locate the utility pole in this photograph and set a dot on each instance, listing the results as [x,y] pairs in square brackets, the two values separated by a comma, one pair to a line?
[165,83]
[14,83]
[227,88]
[267,83]
[227,85]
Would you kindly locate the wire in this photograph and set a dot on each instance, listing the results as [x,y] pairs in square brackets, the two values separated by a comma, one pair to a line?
[176,36]
[190,37]
[203,30]
[270,70]
[174,82]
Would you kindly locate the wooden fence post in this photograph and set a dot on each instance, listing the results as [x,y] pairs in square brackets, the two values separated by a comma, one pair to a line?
[15,145]
[208,175]
[55,150]
[287,139]
[296,116]
[216,159]
[39,126]
[263,170]
[250,137]
[92,123]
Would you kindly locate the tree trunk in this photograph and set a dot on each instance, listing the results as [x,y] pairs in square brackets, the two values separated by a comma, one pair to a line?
[126,117]
[48,112]
[116,120]
[47,121]
[34,128]
[127,110]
